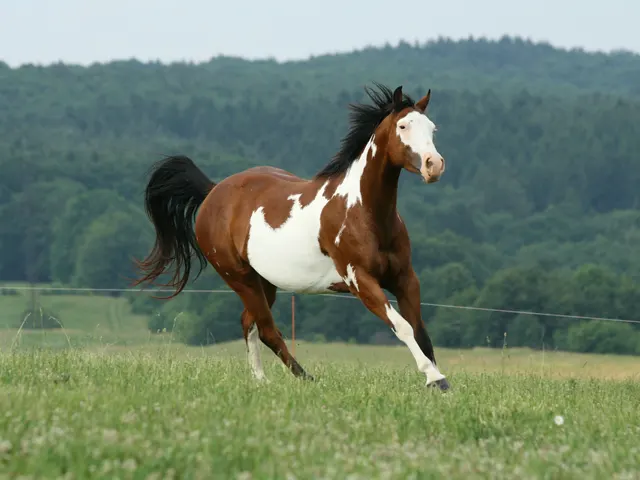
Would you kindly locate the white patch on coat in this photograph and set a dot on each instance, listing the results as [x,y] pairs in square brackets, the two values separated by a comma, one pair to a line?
[350,187]
[289,256]
[404,332]
[253,353]
[344,224]
[417,134]
[350,278]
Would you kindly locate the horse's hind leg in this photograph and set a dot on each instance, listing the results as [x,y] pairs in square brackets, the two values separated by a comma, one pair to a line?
[250,331]
[258,297]
[251,335]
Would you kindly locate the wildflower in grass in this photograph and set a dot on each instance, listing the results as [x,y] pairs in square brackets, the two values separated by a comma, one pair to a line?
[5,446]
[110,435]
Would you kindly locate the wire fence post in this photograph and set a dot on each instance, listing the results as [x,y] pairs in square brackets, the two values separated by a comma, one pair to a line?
[293,324]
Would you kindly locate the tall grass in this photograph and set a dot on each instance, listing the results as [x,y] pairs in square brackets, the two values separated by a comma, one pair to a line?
[171,412]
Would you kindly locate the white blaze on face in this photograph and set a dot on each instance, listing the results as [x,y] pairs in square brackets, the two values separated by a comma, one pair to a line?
[404,332]
[415,131]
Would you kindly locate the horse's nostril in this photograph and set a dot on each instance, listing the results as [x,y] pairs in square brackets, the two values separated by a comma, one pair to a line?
[429,163]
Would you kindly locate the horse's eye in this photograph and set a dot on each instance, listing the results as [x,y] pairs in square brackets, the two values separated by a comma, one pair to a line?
[403,127]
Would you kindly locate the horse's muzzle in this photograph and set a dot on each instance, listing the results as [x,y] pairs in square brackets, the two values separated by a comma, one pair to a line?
[432,168]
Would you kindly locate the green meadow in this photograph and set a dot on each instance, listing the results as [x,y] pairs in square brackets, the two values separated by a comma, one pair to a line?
[103,398]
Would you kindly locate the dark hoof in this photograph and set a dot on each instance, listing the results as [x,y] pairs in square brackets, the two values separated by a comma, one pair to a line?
[300,372]
[442,384]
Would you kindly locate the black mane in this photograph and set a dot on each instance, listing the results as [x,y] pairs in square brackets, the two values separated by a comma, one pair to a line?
[364,120]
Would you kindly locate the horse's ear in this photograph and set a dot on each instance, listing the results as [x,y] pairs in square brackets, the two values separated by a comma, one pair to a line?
[423,102]
[397,99]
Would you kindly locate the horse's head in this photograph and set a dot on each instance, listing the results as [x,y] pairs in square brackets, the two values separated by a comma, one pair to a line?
[410,143]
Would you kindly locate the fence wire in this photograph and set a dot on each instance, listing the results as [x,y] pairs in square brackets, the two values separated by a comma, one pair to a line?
[332,295]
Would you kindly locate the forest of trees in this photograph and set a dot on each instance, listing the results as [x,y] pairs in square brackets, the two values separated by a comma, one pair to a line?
[538,210]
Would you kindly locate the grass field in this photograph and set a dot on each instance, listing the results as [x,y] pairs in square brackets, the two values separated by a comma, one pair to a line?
[174,412]
[87,319]
[117,404]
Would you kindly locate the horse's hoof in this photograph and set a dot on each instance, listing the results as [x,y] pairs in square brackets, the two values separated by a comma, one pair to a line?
[442,384]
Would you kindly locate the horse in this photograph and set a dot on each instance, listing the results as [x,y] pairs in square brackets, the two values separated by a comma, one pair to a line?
[264,228]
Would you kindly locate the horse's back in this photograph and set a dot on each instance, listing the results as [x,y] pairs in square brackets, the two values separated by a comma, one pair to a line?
[268,172]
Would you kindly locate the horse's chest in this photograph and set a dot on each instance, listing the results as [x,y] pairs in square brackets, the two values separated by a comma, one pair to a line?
[289,255]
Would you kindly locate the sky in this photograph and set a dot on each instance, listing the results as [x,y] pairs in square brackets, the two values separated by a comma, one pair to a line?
[86,31]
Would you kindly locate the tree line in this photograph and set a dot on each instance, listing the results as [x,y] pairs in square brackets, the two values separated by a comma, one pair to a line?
[538,210]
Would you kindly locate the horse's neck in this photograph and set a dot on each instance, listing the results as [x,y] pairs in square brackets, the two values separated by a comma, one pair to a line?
[379,186]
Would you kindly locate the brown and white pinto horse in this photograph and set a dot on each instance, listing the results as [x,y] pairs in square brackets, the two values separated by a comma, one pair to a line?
[265,228]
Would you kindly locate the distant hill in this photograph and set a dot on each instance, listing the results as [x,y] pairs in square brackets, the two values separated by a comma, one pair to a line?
[542,148]
[505,64]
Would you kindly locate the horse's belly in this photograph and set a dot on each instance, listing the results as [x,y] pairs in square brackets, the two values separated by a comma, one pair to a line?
[296,273]
[289,256]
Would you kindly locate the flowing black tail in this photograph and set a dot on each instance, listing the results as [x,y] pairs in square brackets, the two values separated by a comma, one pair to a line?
[176,188]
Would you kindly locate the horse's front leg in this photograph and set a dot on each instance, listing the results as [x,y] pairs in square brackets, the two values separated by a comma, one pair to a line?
[410,330]
[407,292]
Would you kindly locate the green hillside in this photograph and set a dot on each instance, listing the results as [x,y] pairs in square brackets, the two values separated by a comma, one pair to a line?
[538,210]
[69,320]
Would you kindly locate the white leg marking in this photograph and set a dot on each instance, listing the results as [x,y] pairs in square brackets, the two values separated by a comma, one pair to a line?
[404,332]
[253,353]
